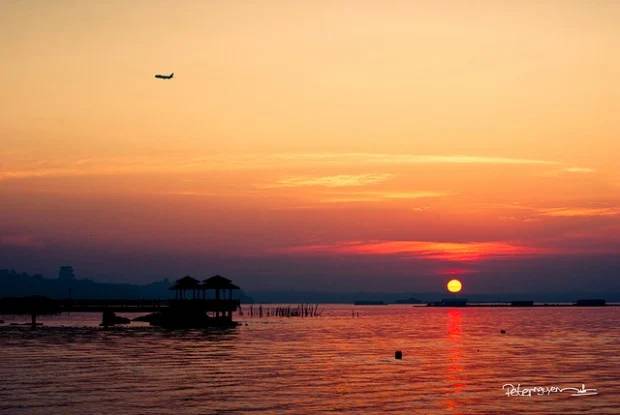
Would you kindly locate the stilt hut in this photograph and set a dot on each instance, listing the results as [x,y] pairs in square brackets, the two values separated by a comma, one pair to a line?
[220,290]
[186,288]
[199,305]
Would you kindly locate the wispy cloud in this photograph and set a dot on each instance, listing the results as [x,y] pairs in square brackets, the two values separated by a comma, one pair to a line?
[432,250]
[128,165]
[341,180]
[532,213]
[372,196]
[386,158]
[83,167]
[578,212]
[193,193]
[22,169]
[584,170]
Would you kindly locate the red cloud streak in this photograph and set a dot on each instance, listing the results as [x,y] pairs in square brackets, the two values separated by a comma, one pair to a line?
[441,251]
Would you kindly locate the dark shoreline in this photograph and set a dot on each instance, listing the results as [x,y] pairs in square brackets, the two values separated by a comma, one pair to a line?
[519,306]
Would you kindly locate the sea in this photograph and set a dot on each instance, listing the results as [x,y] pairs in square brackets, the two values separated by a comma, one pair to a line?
[470,360]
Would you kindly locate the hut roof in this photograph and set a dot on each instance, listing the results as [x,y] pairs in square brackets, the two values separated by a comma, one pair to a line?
[218,282]
[186,283]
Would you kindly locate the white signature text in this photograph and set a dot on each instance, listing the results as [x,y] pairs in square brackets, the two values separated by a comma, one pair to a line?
[529,391]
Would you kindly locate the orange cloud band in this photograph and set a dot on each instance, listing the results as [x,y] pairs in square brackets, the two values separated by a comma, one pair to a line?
[442,251]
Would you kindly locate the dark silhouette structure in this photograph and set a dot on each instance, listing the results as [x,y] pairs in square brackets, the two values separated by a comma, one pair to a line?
[109,318]
[34,305]
[450,302]
[591,302]
[522,303]
[410,300]
[222,292]
[65,273]
[199,305]
[184,286]
[161,76]
[196,305]
[222,287]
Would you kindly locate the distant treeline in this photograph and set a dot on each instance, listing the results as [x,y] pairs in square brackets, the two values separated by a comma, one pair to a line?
[296,297]
[16,284]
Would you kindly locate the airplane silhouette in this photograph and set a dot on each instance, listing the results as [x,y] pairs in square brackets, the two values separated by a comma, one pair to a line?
[160,76]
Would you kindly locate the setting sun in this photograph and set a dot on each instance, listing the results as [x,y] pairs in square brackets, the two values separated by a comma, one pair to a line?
[454,286]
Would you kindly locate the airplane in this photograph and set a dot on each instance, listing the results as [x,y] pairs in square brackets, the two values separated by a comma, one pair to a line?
[160,76]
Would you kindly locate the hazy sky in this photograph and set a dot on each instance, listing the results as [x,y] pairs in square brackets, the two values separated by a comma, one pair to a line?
[328,145]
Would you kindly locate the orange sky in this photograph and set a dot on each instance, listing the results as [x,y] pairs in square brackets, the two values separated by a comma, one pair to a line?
[302,139]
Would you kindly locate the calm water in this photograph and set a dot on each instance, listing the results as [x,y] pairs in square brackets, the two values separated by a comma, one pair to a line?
[455,362]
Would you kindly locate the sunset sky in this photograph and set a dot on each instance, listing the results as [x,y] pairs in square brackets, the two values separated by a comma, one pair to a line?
[314,145]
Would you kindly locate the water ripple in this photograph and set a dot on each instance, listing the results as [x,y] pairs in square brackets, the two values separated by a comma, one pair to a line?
[455,362]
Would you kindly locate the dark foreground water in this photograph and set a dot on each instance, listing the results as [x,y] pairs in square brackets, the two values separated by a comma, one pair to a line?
[455,362]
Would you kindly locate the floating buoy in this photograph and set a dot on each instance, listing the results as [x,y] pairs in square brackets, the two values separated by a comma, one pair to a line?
[503,331]
[398,355]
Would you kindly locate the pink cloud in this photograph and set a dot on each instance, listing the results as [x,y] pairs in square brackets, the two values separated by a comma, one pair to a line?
[440,251]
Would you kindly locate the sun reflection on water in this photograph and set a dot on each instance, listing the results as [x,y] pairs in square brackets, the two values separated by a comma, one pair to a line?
[454,373]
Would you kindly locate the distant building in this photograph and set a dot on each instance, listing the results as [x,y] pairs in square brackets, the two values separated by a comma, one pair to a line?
[65,273]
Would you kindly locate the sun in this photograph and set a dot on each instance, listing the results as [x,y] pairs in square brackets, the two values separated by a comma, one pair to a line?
[454,286]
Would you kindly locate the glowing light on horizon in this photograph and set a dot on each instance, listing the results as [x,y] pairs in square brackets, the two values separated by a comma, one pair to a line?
[454,286]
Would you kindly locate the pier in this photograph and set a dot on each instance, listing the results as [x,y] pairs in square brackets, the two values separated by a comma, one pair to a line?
[196,305]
